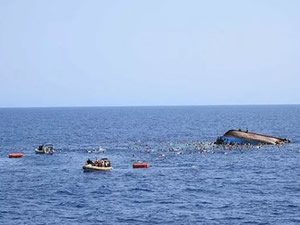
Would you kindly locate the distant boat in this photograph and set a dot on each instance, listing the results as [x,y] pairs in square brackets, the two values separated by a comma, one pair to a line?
[245,137]
[45,149]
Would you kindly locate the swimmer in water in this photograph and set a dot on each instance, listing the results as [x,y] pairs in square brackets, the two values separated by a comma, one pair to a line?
[162,156]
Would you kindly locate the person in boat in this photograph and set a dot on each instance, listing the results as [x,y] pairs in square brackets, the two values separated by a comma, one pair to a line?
[89,162]
[95,162]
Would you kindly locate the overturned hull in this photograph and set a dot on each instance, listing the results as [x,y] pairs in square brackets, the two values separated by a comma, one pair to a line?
[245,137]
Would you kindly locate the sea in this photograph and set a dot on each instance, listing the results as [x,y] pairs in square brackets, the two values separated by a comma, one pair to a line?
[190,180]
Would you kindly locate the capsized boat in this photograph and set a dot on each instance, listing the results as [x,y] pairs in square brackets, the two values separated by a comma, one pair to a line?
[45,149]
[98,165]
[244,137]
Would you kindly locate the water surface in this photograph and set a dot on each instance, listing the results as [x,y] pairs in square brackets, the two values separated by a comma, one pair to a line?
[185,185]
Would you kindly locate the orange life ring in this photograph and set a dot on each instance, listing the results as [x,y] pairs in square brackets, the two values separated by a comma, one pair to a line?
[16,155]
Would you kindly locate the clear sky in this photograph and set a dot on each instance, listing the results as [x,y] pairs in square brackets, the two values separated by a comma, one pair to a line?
[150,52]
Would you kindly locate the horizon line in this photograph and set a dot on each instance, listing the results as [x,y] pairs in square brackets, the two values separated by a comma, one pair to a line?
[124,106]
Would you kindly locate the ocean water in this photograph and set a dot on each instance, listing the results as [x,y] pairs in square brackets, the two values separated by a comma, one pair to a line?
[190,181]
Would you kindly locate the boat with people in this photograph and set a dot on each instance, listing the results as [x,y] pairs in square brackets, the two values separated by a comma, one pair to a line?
[240,137]
[97,165]
[45,149]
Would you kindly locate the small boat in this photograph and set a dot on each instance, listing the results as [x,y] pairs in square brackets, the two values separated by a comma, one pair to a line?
[98,165]
[141,165]
[244,137]
[16,155]
[45,149]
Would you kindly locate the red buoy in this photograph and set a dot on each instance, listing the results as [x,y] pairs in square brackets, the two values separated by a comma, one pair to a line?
[141,165]
[16,155]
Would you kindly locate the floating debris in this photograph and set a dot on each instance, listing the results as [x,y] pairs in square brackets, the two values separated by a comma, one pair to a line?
[99,150]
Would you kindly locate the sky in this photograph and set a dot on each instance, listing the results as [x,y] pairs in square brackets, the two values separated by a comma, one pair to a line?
[151,52]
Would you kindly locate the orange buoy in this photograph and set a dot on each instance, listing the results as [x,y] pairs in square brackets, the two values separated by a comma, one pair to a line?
[141,165]
[16,155]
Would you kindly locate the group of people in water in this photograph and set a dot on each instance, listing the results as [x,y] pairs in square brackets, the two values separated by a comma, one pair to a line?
[99,162]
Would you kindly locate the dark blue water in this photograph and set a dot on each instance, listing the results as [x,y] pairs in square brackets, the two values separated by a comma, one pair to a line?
[189,182]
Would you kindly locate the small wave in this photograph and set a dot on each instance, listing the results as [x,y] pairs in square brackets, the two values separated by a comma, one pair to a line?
[141,189]
[131,220]
[102,191]
[64,192]
[143,201]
